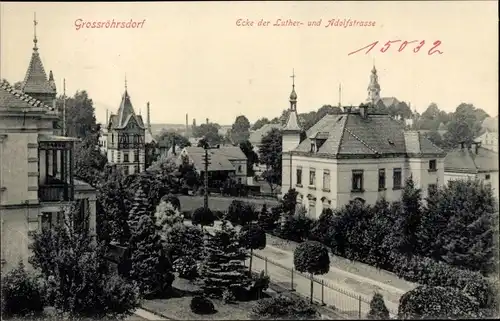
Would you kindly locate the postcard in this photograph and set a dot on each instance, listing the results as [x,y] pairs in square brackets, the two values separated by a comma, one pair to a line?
[249,160]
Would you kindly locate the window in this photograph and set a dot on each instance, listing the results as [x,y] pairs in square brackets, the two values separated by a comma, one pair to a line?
[126,170]
[112,138]
[136,169]
[326,180]
[432,165]
[357,180]
[487,177]
[125,157]
[312,177]
[239,168]
[312,208]
[136,157]
[299,176]
[118,158]
[396,177]
[381,179]
[432,189]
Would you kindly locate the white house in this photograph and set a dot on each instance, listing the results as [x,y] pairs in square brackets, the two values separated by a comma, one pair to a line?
[356,155]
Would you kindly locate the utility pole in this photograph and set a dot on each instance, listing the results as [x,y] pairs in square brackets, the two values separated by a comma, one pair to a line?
[207,162]
[64,108]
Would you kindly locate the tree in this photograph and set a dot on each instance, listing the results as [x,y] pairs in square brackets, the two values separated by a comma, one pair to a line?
[113,210]
[270,155]
[252,237]
[437,302]
[73,264]
[240,213]
[410,219]
[223,267]
[202,217]
[184,241]
[311,257]
[435,138]
[289,202]
[21,293]
[260,122]
[465,124]
[378,310]
[149,265]
[170,138]
[240,131]
[80,114]
[210,132]
[138,209]
[252,157]
[153,184]
[463,208]
[89,162]
[166,216]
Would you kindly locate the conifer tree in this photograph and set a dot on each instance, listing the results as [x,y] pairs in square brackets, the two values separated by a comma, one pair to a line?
[166,216]
[223,268]
[378,310]
[149,265]
[139,208]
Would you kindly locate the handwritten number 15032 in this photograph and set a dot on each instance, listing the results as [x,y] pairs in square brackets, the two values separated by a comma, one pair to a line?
[433,50]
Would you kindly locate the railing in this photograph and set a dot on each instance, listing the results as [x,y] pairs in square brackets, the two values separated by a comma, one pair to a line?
[54,193]
[324,293]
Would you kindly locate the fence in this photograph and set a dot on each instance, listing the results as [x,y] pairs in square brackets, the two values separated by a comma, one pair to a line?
[350,304]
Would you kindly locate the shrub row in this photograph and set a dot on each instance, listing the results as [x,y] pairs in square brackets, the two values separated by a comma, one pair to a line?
[285,307]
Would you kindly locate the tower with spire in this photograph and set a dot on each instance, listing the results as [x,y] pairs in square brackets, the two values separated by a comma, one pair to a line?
[373,88]
[292,129]
[36,83]
[127,137]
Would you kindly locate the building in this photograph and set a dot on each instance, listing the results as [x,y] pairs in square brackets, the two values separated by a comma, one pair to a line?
[37,183]
[488,139]
[472,162]
[224,162]
[355,155]
[127,138]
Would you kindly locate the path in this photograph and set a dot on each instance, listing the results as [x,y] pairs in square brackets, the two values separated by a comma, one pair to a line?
[141,314]
[355,278]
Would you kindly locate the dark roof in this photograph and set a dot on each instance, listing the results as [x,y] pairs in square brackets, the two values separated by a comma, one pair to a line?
[465,160]
[35,81]
[389,101]
[12,98]
[231,152]
[218,161]
[125,113]
[376,135]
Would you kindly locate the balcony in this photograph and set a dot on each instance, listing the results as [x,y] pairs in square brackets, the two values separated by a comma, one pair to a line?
[55,166]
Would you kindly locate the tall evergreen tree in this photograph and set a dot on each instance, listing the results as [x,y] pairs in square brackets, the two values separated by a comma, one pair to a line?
[408,222]
[166,216]
[149,265]
[140,207]
[223,268]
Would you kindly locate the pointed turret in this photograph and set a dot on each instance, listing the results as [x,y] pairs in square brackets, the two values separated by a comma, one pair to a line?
[35,82]
[126,109]
[373,88]
[292,129]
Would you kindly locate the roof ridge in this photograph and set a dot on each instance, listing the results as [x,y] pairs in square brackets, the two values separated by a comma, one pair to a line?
[23,96]
[353,135]
[430,141]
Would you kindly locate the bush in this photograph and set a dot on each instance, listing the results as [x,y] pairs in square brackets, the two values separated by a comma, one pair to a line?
[296,228]
[21,293]
[285,307]
[228,296]
[437,302]
[184,241]
[186,267]
[202,217]
[172,199]
[434,273]
[202,305]
[311,257]
[219,215]
[268,220]
[240,213]
[378,310]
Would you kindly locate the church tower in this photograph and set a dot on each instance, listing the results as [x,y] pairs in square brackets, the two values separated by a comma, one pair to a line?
[35,82]
[292,129]
[373,88]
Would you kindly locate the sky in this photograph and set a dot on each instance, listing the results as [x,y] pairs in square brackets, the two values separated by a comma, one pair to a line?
[192,58]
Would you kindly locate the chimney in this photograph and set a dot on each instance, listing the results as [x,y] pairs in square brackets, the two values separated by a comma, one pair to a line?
[476,147]
[207,121]
[363,110]
[149,117]
[187,126]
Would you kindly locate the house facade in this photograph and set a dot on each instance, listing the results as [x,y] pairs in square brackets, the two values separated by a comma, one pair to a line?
[489,140]
[472,162]
[36,165]
[356,155]
[127,138]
